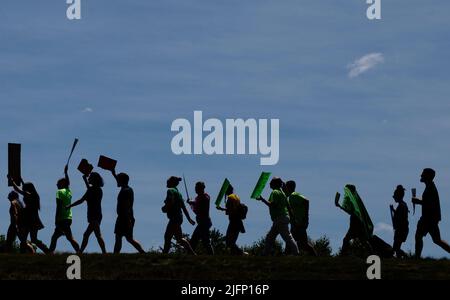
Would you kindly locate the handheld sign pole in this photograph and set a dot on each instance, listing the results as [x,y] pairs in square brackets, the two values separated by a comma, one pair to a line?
[75,142]
[186,189]
[260,185]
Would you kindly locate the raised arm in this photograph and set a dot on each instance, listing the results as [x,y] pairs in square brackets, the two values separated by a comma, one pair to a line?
[66,174]
[15,186]
[86,182]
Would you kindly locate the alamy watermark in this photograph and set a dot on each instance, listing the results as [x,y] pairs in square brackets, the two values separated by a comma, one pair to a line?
[236,136]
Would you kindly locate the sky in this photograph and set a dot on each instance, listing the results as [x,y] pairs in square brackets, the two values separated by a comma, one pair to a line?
[359,101]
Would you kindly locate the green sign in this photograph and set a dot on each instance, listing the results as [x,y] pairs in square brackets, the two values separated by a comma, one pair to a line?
[260,185]
[226,184]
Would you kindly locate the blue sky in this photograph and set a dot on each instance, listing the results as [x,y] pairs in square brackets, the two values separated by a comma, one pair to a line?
[120,76]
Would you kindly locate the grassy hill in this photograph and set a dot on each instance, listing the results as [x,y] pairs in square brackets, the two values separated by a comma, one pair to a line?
[155,266]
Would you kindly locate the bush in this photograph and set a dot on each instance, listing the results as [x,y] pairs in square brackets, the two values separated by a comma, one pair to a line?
[322,246]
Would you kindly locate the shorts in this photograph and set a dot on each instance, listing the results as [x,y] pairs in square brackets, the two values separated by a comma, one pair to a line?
[401,235]
[124,227]
[63,228]
[173,229]
[425,227]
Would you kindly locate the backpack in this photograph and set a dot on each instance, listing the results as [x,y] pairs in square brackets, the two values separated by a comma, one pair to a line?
[243,210]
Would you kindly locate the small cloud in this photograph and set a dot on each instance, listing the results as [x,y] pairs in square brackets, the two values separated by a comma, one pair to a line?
[383,227]
[364,64]
[88,110]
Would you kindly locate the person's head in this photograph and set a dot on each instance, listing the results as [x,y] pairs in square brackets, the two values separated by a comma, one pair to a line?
[173,182]
[122,179]
[276,183]
[230,190]
[28,187]
[62,184]
[351,187]
[428,175]
[399,193]
[96,180]
[13,196]
[289,187]
[200,188]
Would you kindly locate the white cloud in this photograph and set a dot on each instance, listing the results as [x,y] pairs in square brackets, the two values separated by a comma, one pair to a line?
[383,227]
[88,110]
[364,64]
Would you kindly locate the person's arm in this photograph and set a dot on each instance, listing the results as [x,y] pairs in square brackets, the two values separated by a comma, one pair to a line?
[66,174]
[260,198]
[86,182]
[417,201]
[186,213]
[78,202]
[15,186]
[113,172]
[221,208]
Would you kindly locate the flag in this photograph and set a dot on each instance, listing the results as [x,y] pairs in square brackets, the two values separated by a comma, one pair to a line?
[353,205]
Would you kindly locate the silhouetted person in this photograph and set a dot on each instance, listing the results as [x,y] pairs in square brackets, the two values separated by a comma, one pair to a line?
[400,221]
[125,215]
[31,221]
[93,198]
[236,224]
[174,207]
[15,228]
[357,229]
[279,213]
[431,213]
[300,218]
[63,216]
[201,209]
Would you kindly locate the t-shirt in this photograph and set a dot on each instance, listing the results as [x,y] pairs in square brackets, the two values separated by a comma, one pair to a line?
[201,206]
[431,207]
[278,205]
[232,206]
[64,199]
[300,208]
[125,201]
[401,216]
[174,202]
[93,197]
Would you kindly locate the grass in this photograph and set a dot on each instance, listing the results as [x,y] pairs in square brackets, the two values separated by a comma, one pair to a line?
[166,267]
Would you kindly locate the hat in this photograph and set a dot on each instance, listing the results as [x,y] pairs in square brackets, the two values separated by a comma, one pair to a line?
[174,179]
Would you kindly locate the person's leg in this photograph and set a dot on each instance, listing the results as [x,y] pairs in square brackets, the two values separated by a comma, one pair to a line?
[270,239]
[346,242]
[181,240]
[86,236]
[70,238]
[283,229]
[38,243]
[436,236]
[304,244]
[420,233]
[118,244]
[195,236]
[231,239]
[130,239]
[168,235]
[10,238]
[98,235]
[206,238]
